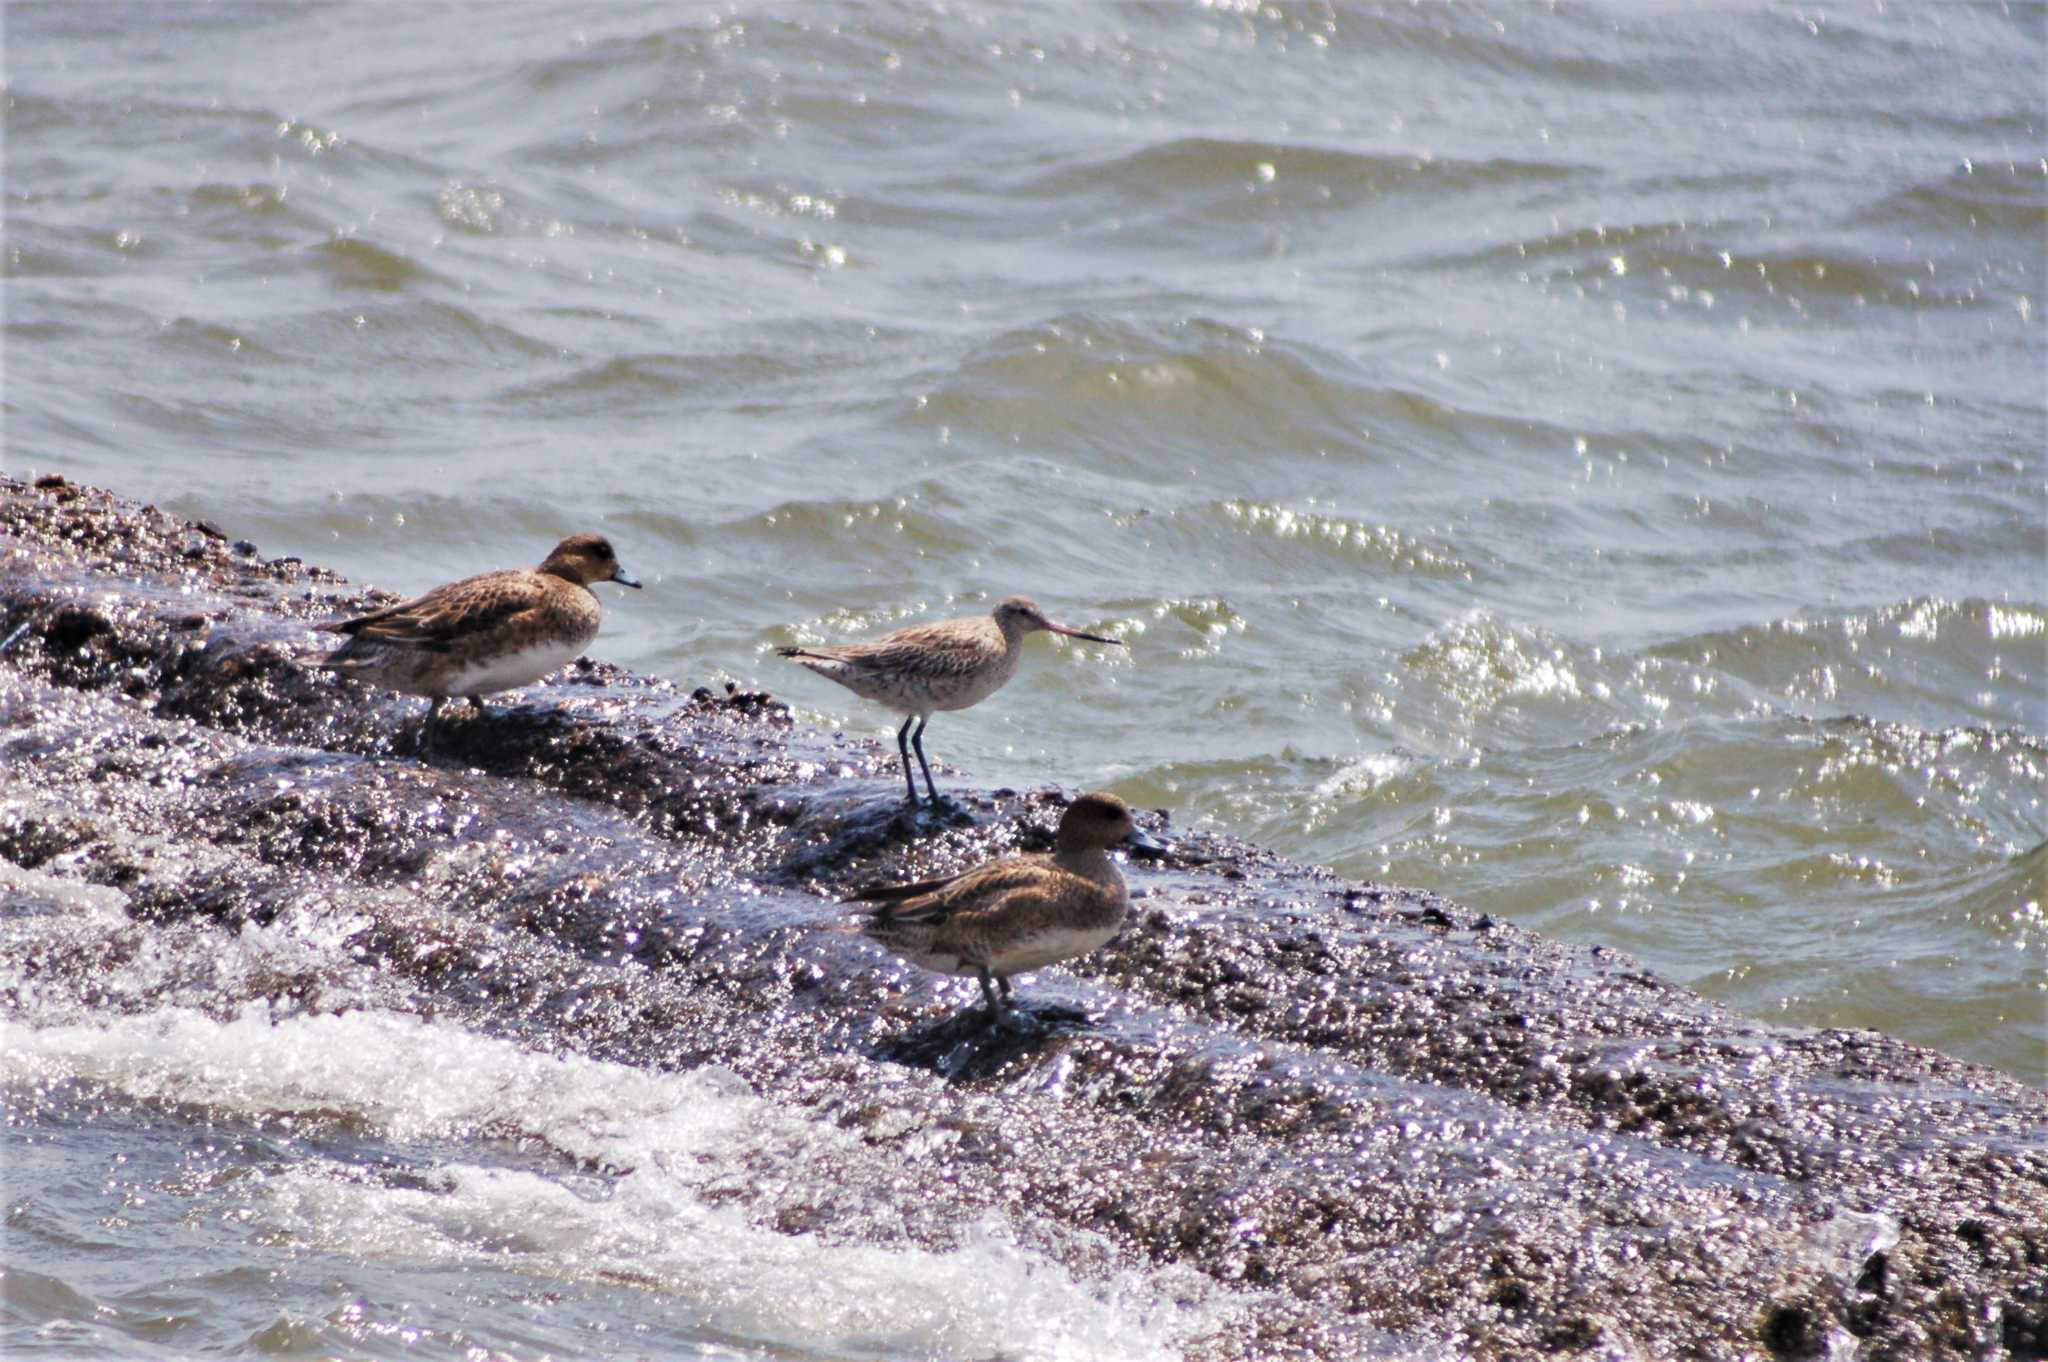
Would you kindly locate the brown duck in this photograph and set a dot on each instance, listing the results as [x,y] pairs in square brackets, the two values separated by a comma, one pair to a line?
[492,632]
[1018,913]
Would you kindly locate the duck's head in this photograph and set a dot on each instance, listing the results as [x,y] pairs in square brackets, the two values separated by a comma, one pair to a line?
[587,558]
[1097,822]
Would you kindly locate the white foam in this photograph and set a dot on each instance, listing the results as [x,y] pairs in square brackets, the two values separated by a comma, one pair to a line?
[2017,622]
[1485,661]
[1365,775]
[674,1135]
[92,956]
[54,895]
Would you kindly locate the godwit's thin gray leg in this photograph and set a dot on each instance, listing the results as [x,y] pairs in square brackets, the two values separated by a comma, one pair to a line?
[917,741]
[903,746]
[483,711]
[1003,985]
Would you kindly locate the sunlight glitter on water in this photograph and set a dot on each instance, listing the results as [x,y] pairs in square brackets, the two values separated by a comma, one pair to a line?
[1451,470]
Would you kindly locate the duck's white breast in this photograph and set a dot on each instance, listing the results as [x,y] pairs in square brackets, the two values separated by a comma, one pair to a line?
[509,671]
[1049,947]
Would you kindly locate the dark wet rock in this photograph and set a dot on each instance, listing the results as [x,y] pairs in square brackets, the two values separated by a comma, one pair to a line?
[1367,1108]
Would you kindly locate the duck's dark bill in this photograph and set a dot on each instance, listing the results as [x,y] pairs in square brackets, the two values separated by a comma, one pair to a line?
[1143,843]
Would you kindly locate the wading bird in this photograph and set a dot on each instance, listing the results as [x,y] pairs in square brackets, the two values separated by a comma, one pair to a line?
[926,668]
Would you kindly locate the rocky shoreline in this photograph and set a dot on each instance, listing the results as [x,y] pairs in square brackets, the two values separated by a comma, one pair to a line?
[1364,1110]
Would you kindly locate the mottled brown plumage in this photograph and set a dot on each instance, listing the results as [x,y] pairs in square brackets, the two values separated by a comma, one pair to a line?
[1015,914]
[492,632]
[926,668]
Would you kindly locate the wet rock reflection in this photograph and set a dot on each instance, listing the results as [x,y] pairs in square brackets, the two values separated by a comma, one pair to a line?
[1365,1108]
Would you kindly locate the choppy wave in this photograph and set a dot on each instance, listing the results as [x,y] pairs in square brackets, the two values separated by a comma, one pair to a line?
[667,1146]
[1992,193]
[1225,172]
[441,1153]
[1820,760]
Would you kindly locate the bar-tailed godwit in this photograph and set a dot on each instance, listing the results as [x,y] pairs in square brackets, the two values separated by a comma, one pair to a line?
[1018,913]
[926,668]
[492,632]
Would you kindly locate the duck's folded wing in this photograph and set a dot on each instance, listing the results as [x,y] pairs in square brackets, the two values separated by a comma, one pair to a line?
[433,621]
[989,875]
[896,893]
[991,889]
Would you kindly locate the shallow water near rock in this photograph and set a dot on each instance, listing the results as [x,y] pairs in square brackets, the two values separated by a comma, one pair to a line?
[1581,462]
